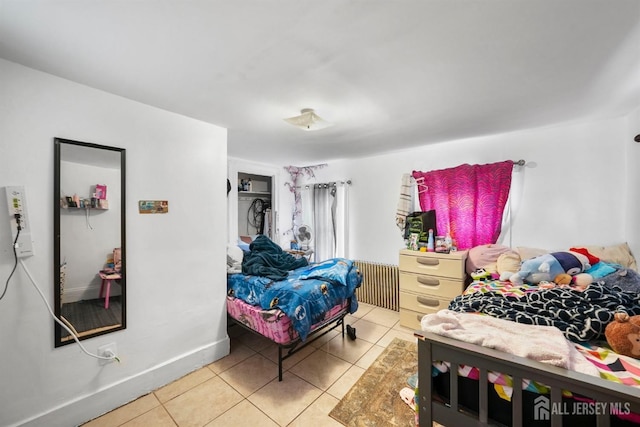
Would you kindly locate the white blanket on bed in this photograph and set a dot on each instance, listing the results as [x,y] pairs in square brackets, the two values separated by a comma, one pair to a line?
[542,343]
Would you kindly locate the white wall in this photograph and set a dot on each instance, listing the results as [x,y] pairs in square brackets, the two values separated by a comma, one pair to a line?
[176,274]
[631,197]
[573,190]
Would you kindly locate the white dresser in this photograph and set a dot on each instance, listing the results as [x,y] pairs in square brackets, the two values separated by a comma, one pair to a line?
[428,282]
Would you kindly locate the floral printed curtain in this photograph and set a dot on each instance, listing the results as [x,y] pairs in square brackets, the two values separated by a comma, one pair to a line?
[469,200]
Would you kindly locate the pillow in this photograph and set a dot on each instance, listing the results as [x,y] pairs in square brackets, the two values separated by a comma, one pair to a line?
[485,256]
[245,241]
[243,245]
[600,269]
[509,262]
[615,254]
[234,259]
[529,253]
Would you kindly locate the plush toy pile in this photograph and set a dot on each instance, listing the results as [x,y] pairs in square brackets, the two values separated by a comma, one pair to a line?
[546,267]
[576,268]
[589,293]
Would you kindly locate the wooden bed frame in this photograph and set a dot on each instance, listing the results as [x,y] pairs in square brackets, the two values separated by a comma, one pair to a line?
[293,347]
[433,347]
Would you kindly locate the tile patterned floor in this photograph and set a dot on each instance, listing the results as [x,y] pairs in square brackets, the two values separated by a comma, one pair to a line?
[241,388]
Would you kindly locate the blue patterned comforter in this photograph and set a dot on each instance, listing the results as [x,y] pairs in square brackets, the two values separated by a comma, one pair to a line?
[305,295]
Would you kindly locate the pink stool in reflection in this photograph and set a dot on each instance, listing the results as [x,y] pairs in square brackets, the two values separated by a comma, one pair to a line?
[105,286]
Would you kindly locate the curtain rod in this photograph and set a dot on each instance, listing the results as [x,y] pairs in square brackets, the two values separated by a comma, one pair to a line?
[520,162]
[348,182]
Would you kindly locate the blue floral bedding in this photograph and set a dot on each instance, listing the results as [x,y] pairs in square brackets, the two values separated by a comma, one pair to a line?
[305,294]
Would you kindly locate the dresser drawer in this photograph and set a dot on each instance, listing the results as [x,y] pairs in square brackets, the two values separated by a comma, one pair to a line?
[410,319]
[425,304]
[443,265]
[442,287]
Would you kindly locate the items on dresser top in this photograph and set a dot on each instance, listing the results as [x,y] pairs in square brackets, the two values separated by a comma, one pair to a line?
[428,282]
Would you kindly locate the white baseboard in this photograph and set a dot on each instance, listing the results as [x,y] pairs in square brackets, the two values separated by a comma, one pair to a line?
[112,396]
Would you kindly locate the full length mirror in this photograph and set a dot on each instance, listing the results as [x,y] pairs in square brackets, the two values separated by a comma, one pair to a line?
[89,239]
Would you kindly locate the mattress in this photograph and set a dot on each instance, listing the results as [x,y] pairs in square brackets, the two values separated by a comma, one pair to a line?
[273,323]
[306,295]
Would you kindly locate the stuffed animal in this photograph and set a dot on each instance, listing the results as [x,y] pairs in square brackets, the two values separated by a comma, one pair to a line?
[562,279]
[623,334]
[592,259]
[480,274]
[581,281]
[547,266]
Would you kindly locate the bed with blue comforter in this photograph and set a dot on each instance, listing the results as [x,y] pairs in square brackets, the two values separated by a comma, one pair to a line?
[285,299]
[274,279]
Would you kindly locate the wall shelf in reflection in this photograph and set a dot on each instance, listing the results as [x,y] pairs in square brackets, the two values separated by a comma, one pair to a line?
[98,204]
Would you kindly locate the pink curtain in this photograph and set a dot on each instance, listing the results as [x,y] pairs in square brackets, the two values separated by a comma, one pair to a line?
[469,200]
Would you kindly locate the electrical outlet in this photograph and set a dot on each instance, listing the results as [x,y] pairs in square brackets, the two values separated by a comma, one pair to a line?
[17,204]
[107,350]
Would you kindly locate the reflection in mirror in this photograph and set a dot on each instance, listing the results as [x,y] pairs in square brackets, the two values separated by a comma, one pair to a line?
[89,239]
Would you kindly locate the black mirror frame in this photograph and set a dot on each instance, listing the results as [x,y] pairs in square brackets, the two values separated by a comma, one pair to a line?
[56,236]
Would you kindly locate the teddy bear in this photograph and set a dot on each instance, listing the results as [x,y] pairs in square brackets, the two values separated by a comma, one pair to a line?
[623,334]
[547,266]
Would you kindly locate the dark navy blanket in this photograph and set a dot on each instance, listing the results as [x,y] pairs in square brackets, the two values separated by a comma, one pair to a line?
[267,259]
[581,316]
[305,294]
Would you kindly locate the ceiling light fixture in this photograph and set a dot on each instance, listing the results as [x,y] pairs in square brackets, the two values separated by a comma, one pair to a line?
[308,120]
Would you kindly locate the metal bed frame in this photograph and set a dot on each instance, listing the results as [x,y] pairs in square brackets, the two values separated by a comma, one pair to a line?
[433,347]
[319,330]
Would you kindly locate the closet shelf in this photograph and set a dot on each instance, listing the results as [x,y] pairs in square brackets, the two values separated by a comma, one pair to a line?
[257,193]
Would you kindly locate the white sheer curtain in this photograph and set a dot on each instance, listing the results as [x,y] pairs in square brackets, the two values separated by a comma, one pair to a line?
[324,205]
[342,221]
[324,208]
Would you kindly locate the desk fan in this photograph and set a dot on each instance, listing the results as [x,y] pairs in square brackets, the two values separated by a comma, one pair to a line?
[304,235]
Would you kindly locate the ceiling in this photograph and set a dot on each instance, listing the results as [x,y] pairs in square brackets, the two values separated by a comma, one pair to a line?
[389,75]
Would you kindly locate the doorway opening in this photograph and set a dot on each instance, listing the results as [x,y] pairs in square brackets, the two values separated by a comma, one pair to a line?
[255,205]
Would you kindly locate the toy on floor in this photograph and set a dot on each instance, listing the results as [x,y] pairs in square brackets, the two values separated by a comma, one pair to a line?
[408,397]
[623,334]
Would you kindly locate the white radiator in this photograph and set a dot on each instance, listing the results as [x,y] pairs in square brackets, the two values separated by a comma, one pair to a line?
[380,285]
